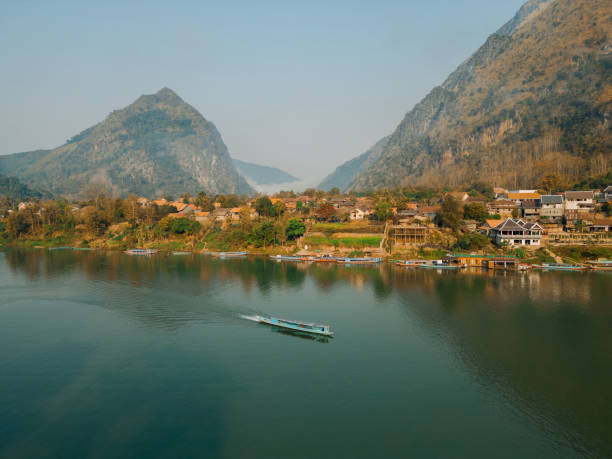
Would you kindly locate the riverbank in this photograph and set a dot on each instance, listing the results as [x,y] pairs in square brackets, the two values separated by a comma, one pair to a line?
[564,254]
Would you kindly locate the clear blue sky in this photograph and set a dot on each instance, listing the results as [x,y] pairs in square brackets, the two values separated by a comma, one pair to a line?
[301,85]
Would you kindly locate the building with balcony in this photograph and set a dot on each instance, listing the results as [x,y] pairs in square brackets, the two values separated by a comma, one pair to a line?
[517,232]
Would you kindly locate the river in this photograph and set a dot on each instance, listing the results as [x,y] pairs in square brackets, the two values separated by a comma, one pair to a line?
[107,355]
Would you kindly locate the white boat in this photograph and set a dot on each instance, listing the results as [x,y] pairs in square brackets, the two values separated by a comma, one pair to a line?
[141,251]
[295,325]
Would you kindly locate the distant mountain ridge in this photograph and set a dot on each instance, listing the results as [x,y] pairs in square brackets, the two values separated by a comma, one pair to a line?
[534,100]
[157,145]
[344,174]
[263,175]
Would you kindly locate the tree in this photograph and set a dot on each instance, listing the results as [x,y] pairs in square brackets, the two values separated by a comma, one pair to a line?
[229,201]
[184,226]
[474,211]
[204,202]
[450,213]
[263,206]
[278,209]
[263,234]
[16,224]
[383,211]
[295,228]
[550,183]
[95,221]
[334,191]
[516,213]
[325,211]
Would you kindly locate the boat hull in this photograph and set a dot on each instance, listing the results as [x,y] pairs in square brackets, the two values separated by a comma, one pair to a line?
[286,325]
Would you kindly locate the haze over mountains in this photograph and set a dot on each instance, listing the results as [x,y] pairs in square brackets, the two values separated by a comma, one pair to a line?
[157,145]
[263,175]
[534,100]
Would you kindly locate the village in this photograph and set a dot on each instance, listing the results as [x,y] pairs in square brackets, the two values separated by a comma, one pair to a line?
[390,224]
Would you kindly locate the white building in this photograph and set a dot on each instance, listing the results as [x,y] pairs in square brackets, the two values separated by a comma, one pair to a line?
[517,232]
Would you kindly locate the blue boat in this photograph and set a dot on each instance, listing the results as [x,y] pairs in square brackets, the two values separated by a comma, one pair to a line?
[438,265]
[286,258]
[561,266]
[295,325]
[229,254]
[359,261]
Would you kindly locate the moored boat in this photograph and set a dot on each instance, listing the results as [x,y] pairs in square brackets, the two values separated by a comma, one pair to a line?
[295,325]
[286,258]
[438,264]
[411,263]
[359,261]
[229,254]
[141,251]
[560,266]
[325,259]
[601,265]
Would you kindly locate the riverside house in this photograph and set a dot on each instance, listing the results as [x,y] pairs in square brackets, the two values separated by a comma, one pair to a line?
[551,207]
[531,209]
[517,232]
[502,207]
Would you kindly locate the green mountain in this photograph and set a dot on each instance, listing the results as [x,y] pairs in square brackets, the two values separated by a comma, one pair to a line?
[263,175]
[344,174]
[157,145]
[534,100]
[12,188]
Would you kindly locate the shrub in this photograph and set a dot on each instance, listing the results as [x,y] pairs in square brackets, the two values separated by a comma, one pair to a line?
[473,241]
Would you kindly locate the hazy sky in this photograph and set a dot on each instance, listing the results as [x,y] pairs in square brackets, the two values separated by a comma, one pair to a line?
[303,86]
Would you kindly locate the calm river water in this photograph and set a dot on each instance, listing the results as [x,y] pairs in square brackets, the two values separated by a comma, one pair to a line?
[106,355]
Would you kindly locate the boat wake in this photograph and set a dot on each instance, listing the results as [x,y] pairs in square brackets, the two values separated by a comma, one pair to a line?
[253,318]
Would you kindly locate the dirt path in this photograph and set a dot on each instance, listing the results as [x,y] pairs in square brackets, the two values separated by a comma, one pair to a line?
[552,254]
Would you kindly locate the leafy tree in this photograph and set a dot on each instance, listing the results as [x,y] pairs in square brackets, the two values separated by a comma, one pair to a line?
[263,234]
[334,191]
[16,224]
[184,226]
[295,228]
[95,221]
[450,213]
[474,211]
[263,206]
[325,211]
[204,202]
[516,213]
[550,183]
[482,188]
[278,209]
[383,211]
[229,201]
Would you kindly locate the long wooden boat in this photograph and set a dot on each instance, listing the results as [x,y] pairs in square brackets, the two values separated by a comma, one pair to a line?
[438,266]
[560,266]
[411,263]
[141,251]
[229,254]
[286,257]
[601,265]
[295,325]
[325,259]
[359,261]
